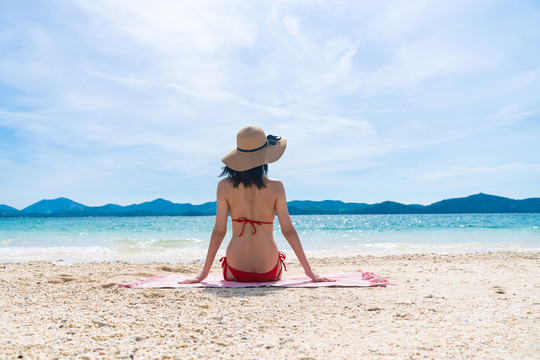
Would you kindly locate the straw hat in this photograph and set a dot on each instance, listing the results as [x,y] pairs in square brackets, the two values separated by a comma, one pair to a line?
[254,148]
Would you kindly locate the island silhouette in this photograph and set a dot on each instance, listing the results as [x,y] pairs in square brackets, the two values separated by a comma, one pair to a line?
[479,203]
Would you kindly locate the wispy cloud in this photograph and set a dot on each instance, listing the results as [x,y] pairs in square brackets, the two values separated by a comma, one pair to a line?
[460,171]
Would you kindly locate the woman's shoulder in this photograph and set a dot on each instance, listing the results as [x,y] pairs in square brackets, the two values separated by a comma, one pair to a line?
[224,184]
[274,183]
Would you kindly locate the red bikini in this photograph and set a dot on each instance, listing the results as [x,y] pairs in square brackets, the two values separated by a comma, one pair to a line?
[243,276]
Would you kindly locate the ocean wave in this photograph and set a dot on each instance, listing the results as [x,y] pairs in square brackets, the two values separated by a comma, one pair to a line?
[179,239]
[76,254]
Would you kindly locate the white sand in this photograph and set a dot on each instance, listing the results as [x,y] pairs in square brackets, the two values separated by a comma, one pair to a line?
[443,306]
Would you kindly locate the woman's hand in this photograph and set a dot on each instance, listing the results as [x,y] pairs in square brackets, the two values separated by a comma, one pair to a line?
[317,278]
[196,279]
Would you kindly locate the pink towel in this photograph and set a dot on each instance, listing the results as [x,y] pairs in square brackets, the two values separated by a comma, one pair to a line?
[350,279]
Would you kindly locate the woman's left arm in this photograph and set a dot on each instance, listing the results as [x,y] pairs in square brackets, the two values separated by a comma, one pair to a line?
[290,234]
[219,232]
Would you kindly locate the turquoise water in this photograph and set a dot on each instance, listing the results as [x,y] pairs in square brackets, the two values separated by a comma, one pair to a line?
[186,238]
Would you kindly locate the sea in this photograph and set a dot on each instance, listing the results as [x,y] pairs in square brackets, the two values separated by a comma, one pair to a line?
[183,239]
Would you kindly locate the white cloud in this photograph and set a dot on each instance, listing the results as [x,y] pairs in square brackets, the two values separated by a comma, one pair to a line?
[187,44]
[460,171]
[181,28]
[303,44]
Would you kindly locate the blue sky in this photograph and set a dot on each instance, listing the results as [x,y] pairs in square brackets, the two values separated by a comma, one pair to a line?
[122,101]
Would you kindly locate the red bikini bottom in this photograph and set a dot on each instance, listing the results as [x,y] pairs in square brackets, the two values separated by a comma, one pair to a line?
[242,276]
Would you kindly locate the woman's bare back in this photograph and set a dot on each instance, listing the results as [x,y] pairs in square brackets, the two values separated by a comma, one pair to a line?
[255,250]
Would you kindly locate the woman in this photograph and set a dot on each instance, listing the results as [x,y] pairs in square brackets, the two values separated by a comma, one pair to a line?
[252,199]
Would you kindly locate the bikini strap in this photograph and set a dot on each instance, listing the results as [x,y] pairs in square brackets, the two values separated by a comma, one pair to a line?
[223,261]
[252,222]
[282,257]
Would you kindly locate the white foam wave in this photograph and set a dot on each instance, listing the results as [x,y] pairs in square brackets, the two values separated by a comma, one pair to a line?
[75,254]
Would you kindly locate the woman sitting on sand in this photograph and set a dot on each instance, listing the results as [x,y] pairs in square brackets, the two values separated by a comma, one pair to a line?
[252,200]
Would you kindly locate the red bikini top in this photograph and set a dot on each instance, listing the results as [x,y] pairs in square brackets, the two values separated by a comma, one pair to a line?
[252,222]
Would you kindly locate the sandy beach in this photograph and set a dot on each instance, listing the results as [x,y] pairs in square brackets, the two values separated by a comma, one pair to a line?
[441,306]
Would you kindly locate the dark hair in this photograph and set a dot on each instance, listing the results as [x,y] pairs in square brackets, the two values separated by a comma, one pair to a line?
[247,178]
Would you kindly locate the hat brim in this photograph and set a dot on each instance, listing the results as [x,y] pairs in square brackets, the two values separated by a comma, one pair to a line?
[242,161]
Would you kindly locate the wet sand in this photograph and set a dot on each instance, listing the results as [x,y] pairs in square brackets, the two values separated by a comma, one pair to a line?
[442,306]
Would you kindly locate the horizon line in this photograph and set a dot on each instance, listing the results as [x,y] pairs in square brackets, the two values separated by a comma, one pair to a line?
[288,201]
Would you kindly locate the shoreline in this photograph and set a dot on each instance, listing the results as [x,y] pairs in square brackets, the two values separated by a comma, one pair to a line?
[291,257]
[467,305]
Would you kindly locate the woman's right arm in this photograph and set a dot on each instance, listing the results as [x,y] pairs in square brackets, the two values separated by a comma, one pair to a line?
[290,234]
[219,232]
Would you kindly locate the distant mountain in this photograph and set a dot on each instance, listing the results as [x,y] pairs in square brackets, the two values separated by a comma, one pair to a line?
[4,210]
[300,207]
[390,207]
[107,209]
[529,205]
[479,203]
[67,207]
[483,203]
[54,207]
[161,206]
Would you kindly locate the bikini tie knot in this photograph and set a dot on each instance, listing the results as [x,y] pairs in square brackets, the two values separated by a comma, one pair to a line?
[245,221]
[252,222]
